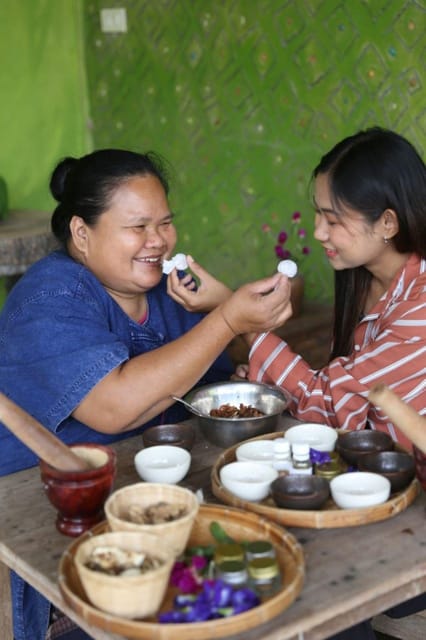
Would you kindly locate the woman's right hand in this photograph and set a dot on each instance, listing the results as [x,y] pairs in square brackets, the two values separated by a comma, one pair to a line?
[259,306]
[209,294]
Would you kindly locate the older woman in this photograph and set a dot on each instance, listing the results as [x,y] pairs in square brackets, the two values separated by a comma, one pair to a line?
[92,344]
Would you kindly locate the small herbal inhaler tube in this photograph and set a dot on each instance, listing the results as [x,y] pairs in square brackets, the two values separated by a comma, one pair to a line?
[287,268]
[178,262]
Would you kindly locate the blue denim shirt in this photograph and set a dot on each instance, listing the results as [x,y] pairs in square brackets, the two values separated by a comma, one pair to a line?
[60,334]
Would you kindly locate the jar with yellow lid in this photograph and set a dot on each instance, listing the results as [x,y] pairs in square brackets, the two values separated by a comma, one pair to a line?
[228,551]
[232,572]
[259,549]
[264,576]
[331,469]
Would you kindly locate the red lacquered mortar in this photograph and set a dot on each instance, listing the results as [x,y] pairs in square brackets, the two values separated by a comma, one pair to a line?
[79,496]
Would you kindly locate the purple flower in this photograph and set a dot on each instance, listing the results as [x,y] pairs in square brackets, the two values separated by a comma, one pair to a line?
[199,562]
[279,251]
[188,583]
[319,457]
[306,251]
[296,216]
[282,254]
[301,233]
[282,237]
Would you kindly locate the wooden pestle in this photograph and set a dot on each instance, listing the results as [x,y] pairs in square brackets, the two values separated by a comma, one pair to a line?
[411,423]
[39,439]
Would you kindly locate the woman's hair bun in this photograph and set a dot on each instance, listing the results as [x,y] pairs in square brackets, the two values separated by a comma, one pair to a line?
[59,177]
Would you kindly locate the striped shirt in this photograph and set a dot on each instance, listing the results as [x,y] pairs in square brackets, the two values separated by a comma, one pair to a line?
[390,347]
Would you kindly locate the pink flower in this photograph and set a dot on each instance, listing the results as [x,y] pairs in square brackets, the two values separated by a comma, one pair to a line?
[266,228]
[301,233]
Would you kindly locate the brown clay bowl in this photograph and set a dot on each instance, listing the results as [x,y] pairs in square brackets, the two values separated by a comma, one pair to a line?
[300,492]
[353,445]
[181,434]
[397,466]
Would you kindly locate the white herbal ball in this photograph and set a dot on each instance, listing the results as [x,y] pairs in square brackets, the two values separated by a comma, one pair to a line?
[287,268]
[180,261]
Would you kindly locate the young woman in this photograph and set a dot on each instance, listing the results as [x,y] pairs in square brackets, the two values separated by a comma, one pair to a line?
[91,343]
[370,218]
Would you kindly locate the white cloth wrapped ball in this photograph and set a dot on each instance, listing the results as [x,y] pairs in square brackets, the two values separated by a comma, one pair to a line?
[287,268]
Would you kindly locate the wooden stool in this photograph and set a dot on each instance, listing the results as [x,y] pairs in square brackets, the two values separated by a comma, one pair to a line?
[25,237]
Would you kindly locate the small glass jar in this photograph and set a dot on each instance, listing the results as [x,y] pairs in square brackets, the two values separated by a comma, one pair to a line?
[228,551]
[282,456]
[330,470]
[259,549]
[301,460]
[264,576]
[232,572]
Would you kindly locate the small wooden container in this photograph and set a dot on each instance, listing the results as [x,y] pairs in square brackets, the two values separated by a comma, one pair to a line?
[170,535]
[127,596]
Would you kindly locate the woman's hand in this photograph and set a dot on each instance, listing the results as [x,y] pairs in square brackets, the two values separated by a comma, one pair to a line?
[207,296]
[241,372]
[259,306]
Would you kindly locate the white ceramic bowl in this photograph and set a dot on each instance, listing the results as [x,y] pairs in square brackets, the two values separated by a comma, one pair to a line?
[164,463]
[358,489]
[248,480]
[317,436]
[256,451]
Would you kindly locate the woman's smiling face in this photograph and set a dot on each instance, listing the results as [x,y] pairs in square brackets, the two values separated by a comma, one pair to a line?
[347,238]
[126,247]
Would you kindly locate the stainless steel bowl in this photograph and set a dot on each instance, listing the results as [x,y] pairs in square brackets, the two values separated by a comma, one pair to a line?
[225,432]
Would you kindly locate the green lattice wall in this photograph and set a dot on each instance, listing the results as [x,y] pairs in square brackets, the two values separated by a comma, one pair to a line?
[243,96]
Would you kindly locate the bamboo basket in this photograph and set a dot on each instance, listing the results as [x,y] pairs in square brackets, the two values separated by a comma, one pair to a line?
[238,524]
[330,516]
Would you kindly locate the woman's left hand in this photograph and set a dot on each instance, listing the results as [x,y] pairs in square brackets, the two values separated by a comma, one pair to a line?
[207,296]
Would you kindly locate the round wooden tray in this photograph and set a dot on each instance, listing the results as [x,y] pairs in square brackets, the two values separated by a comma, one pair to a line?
[330,516]
[239,525]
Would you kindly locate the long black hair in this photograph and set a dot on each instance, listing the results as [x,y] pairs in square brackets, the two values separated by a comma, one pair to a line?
[371,171]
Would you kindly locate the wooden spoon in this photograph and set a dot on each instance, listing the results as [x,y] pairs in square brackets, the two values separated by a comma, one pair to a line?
[40,440]
[405,417]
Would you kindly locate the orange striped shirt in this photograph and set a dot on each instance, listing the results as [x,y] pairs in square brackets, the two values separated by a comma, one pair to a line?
[390,347]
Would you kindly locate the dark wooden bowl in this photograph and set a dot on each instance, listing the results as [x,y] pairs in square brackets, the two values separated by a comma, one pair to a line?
[397,466]
[181,434]
[300,492]
[353,445]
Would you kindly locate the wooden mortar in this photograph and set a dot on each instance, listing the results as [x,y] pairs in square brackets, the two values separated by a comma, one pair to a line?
[40,440]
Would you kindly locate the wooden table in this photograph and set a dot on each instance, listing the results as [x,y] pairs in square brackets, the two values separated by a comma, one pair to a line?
[351,573]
